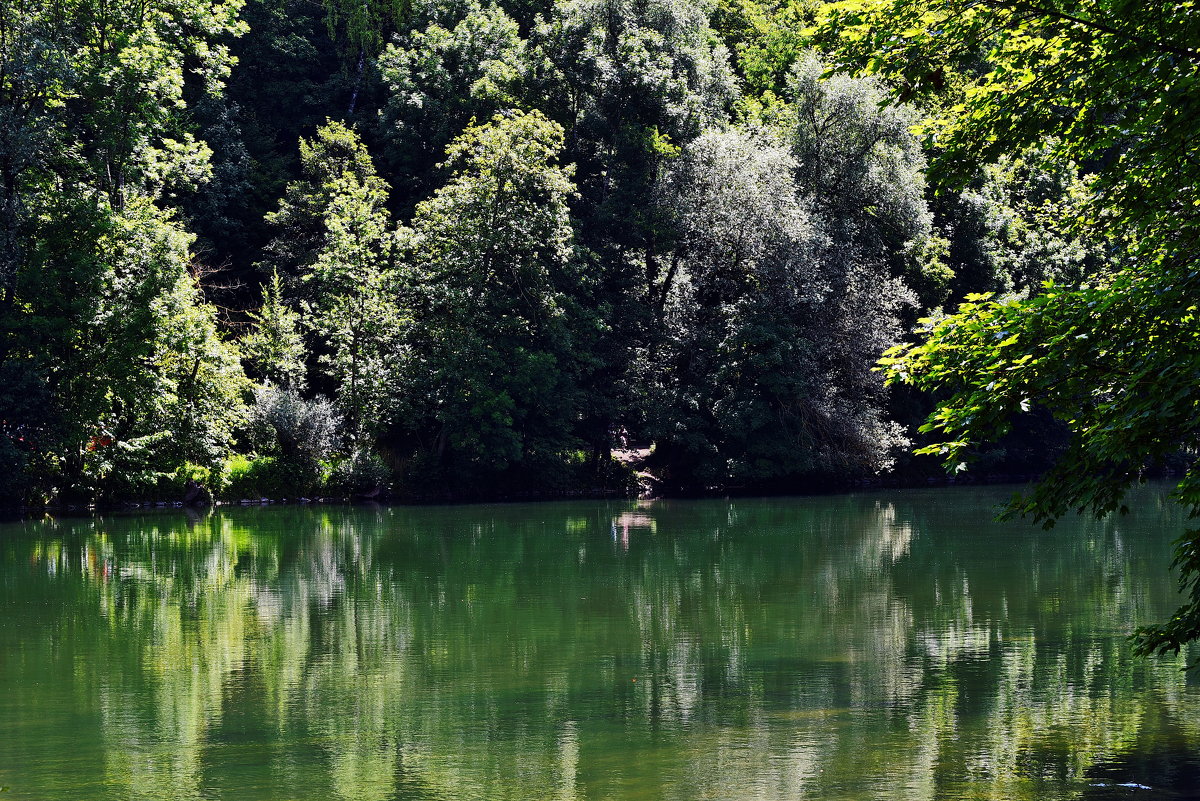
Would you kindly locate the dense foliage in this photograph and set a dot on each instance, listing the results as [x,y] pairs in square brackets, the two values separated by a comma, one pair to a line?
[450,248]
[455,247]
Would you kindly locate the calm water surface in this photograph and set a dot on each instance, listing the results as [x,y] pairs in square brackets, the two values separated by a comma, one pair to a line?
[876,646]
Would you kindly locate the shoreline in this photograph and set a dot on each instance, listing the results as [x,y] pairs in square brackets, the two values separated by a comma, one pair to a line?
[462,499]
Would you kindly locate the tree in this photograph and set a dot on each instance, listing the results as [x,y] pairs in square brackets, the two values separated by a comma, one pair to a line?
[199,379]
[288,79]
[630,82]
[864,171]
[362,25]
[360,28]
[275,347]
[93,269]
[1112,87]
[733,372]
[491,338]
[768,38]
[1011,228]
[162,387]
[773,315]
[440,79]
[335,232]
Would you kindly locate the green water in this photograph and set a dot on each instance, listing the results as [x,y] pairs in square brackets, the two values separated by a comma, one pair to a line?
[876,646]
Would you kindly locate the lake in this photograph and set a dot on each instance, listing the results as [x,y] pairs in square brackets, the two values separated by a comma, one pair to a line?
[892,645]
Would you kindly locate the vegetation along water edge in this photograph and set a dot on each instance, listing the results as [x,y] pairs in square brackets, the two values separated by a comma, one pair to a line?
[459,249]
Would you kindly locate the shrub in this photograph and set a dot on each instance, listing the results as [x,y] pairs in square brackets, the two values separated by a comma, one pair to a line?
[362,473]
[298,434]
[257,478]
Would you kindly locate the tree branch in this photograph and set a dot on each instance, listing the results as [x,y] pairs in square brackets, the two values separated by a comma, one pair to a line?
[1103,27]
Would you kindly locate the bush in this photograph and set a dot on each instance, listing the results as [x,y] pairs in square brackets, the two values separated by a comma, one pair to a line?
[256,478]
[298,428]
[361,474]
[298,434]
[242,481]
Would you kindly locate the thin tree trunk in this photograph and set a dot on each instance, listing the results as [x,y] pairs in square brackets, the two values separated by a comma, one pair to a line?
[358,76]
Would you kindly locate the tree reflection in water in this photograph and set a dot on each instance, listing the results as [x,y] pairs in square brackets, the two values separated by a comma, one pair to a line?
[873,646]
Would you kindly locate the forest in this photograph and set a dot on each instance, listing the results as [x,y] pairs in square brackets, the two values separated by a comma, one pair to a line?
[463,249]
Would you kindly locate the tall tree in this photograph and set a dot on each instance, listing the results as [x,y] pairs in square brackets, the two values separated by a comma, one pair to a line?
[493,360]
[439,79]
[772,323]
[94,270]
[335,239]
[630,82]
